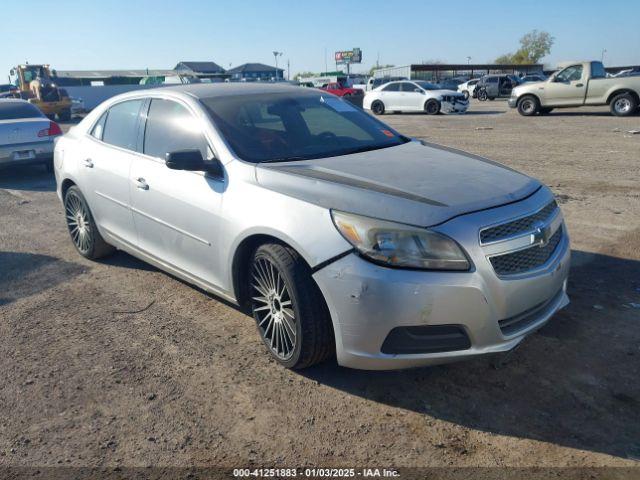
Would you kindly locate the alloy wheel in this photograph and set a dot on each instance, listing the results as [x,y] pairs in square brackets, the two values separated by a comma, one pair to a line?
[622,105]
[78,222]
[273,309]
[528,106]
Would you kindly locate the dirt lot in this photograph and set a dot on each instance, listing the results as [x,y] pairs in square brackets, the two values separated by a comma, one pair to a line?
[116,363]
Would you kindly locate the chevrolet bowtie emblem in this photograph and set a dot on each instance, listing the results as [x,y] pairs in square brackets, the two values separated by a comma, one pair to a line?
[541,235]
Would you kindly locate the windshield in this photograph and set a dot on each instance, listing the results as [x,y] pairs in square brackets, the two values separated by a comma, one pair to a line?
[16,110]
[427,86]
[296,126]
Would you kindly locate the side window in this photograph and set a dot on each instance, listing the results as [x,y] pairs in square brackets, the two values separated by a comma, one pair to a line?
[120,128]
[393,87]
[408,87]
[597,70]
[492,80]
[98,128]
[570,74]
[171,127]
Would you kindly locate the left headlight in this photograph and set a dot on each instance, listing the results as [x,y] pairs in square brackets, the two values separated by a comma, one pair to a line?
[397,245]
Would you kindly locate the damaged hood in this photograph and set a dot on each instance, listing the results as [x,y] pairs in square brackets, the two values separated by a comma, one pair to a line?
[414,183]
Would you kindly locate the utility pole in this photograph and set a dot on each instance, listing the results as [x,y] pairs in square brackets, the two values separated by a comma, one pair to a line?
[468,60]
[325,60]
[276,55]
[288,70]
[604,50]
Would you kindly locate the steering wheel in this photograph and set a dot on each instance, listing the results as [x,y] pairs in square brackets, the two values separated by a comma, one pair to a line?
[327,136]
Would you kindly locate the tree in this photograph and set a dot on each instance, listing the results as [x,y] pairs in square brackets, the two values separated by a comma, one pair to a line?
[533,46]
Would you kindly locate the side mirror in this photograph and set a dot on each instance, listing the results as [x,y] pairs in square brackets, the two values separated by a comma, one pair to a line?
[192,161]
[418,90]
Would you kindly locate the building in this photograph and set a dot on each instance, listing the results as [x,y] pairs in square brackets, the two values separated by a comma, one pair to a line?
[439,72]
[201,69]
[66,78]
[254,72]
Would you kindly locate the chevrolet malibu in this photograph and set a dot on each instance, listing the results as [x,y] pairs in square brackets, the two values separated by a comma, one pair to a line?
[335,231]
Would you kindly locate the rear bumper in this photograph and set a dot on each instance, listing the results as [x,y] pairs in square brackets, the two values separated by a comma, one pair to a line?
[26,153]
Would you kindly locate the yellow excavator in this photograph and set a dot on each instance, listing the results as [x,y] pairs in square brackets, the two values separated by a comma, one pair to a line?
[37,85]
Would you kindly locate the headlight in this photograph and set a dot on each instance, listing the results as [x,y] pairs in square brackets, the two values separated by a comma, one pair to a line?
[397,245]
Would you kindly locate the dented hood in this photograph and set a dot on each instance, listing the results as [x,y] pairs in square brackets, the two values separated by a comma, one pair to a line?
[414,183]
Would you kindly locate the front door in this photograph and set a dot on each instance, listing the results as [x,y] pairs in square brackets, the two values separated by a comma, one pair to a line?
[176,212]
[567,88]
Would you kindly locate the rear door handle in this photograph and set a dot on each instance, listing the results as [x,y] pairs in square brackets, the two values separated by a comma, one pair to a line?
[578,85]
[142,184]
[88,163]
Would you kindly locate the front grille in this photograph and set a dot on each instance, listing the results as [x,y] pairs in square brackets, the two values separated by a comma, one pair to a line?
[527,259]
[520,225]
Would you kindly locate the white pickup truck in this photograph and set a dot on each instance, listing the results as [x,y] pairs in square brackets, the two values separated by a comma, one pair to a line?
[578,84]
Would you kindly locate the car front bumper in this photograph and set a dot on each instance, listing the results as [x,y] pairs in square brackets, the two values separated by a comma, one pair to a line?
[368,301]
[512,102]
[454,107]
[26,153]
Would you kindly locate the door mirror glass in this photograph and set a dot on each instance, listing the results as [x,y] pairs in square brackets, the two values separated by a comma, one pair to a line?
[418,90]
[191,160]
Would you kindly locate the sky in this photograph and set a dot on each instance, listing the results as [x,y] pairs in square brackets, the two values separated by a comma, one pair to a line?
[121,34]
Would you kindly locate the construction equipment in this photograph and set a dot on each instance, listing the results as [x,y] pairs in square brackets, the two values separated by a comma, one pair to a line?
[36,84]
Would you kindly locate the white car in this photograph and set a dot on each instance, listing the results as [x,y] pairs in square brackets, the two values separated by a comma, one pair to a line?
[414,96]
[467,88]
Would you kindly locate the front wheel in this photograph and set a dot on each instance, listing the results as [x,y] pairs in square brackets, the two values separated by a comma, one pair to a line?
[82,227]
[377,107]
[528,106]
[292,318]
[623,105]
[482,95]
[432,107]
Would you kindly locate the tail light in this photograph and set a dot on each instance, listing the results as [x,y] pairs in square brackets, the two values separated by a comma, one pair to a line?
[52,131]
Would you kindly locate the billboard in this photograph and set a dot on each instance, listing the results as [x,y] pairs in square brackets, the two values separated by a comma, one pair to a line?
[349,56]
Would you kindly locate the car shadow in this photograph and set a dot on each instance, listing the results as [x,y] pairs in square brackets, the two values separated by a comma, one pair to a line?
[24,274]
[573,383]
[33,178]
[124,260]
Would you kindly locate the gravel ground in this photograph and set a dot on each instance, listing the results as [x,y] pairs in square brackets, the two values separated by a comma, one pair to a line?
[115,363]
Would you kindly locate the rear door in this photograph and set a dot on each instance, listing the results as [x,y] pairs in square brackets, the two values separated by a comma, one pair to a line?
[390,96]
[568,87]
[108,153]
[176,212]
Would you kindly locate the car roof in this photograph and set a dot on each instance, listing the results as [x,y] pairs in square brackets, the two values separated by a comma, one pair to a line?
[208,90]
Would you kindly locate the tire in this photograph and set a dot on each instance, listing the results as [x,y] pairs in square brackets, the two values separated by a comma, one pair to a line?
[623,105]
[528,106]
[432,107]
[482,95]
[82,227]
[466,94]
[291,315]
[545,110]
[377,107]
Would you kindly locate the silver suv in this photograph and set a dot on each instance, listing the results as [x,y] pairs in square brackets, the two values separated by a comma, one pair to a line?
[335,231]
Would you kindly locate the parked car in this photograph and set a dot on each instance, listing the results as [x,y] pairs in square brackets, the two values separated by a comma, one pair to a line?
[7,90]
[578,84]
[341,90]
[26,134]
[77,106]
[450,84]
[467,88]
[414,96]
[336,231]
[533,77]
[495,86]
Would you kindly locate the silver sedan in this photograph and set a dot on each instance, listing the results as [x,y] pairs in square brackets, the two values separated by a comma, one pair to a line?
[339,234]
[26,134]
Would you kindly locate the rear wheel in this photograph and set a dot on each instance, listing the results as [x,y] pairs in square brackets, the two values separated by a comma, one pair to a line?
[82,227]
[292,318]
[432,106]
[482,95]
[377,107]
[528,106]
[623,105]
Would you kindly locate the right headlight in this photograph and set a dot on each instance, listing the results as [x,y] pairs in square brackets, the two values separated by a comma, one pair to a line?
[397,245]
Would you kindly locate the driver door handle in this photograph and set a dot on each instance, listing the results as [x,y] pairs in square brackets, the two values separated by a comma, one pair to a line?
[88,163]
[578,85]
[142,184]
